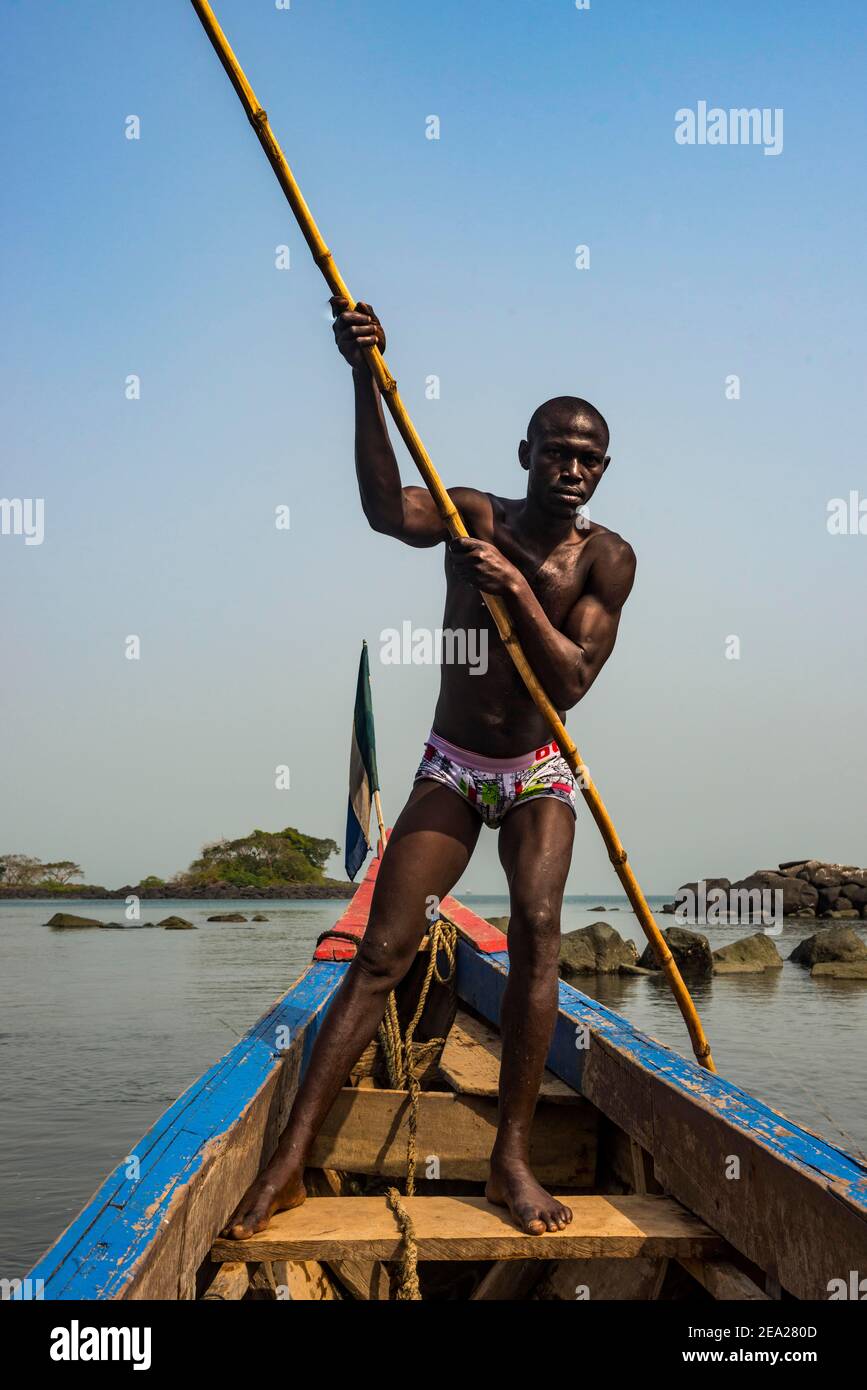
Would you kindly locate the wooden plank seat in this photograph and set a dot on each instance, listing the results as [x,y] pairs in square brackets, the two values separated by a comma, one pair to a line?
[470,1228]
[470,1062]
[366,1132]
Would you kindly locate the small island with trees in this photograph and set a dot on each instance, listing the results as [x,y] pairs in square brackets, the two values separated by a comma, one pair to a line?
[264,864]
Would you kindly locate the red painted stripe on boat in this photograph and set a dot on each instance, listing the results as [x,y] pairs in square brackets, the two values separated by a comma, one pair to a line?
[473,928]
[353,922]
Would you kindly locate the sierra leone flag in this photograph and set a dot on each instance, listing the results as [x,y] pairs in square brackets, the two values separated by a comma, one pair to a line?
[363,776]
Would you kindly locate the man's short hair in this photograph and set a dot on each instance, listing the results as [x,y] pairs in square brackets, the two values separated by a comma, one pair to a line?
[566,405]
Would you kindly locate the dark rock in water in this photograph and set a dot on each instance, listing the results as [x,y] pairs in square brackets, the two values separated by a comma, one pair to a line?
[756,953]
[260,918]
[177,924]
[827,875]
[835,944]
[807,870]
[595,950]
[68,919]
[797,892]
[228,917]
[501,923]
[691,951]
[808,888]
[829,897]
[689,897]
[855,893]
[126,926]
[600,908]
[694,889]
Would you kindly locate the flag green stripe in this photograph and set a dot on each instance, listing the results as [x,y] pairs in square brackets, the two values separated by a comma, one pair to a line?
[363,722]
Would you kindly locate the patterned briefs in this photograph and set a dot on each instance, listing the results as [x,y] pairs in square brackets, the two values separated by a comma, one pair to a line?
[494,785]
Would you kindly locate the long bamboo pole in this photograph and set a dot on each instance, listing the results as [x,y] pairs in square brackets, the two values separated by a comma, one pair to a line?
[455,526]
[377,802]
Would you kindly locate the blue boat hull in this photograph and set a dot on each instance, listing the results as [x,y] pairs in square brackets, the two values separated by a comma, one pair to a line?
[788,1202]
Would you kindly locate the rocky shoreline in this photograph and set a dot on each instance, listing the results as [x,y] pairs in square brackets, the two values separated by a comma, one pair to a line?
[837,952]
[68,921]
[808,888]
[332,888]
[834,896]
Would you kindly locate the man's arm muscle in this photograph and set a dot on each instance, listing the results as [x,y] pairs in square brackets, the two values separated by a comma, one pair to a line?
[567,662]
[407,513]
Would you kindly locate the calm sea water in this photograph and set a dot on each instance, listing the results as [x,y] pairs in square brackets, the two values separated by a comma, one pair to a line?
[100,1031]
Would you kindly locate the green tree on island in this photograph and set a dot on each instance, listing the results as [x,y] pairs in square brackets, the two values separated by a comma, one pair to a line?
[262,859]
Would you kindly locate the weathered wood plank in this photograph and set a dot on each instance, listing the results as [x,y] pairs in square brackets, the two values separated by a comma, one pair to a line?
[724,1281]
[366,1132]
[799,1208]
[470,1062]
[229,1284]
[366,1280]
[456,1228]
[303,1281]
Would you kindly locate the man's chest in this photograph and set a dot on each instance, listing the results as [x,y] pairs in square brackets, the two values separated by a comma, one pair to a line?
[557,576]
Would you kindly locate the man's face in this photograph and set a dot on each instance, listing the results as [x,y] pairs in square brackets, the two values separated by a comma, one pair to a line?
[565,460]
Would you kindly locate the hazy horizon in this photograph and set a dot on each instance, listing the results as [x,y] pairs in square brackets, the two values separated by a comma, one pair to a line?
[155,257]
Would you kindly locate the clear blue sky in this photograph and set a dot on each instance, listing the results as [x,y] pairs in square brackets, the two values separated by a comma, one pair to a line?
[156,257]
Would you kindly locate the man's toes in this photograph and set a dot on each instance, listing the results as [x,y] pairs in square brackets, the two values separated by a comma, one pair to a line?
[245,1223]
[228,1230]
[533,1223]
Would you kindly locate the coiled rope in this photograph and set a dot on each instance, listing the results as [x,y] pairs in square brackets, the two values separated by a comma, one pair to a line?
[404,1058]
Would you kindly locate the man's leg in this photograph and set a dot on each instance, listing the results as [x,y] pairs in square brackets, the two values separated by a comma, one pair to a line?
[428,851]
[535,850]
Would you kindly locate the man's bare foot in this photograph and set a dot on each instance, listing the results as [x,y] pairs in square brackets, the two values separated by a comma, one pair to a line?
[512,1185]
[272,1191]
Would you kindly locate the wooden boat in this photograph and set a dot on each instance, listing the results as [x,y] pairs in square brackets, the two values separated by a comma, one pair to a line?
[683,1186]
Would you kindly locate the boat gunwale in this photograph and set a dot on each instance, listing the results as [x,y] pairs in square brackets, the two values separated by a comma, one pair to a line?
[114,1204]
[820,1173]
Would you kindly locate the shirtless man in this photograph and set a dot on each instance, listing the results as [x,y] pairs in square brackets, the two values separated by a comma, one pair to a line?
[565,581]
